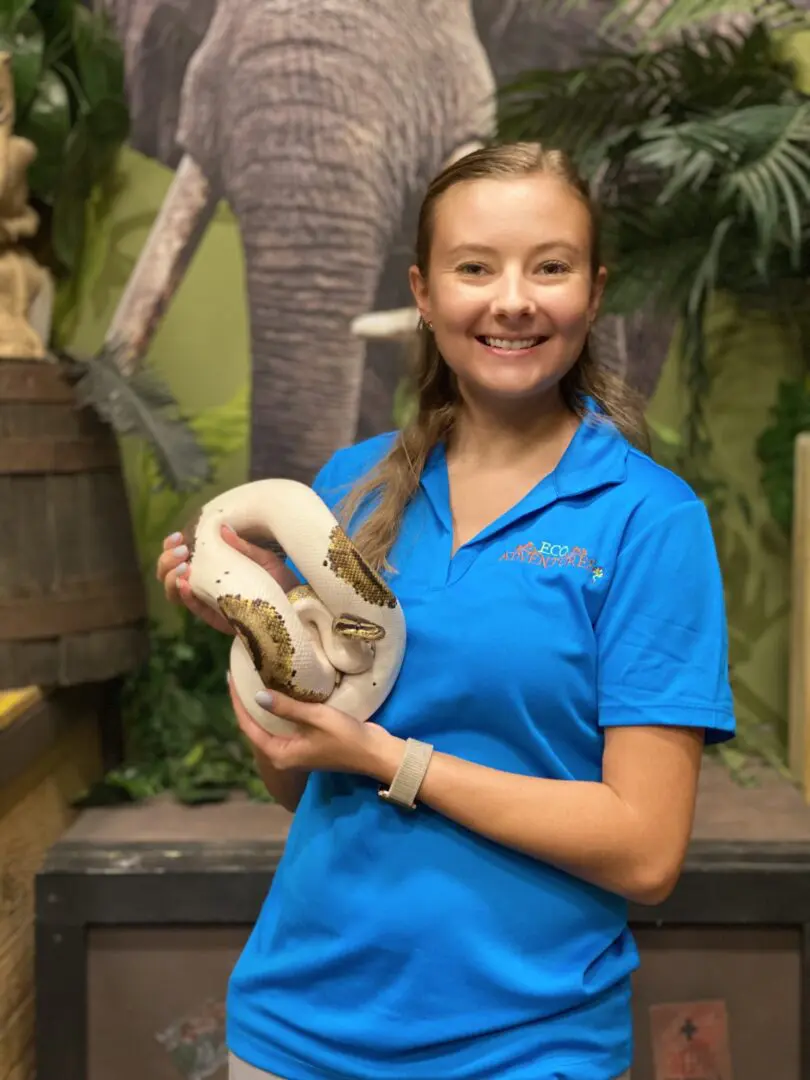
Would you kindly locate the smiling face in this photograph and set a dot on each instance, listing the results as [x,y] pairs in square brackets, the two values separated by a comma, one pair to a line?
[509,287]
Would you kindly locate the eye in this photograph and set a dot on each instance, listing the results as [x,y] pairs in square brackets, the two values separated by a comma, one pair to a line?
[471,269]
[554,267]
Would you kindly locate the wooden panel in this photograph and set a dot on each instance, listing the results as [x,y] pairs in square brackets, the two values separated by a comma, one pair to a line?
[19,456]
[756,972]
[799,698]
[33,382]
[141,982]
[71,609]
[34,813]
[68,563]
[74,658]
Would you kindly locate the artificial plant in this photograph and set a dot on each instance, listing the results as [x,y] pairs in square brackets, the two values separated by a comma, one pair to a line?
[180,732]
[70,102]
[696,138]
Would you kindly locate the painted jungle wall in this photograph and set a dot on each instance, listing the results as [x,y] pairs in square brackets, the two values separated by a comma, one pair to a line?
[255,339]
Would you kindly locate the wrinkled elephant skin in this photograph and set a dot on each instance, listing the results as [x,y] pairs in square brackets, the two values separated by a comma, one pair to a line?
[317,120]
[158,38]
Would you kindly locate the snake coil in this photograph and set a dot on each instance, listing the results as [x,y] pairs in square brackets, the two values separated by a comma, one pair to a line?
[339,639]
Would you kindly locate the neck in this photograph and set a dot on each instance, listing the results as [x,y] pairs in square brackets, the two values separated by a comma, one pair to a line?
[503,433]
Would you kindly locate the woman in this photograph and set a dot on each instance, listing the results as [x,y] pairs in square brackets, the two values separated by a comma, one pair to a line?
[566,663]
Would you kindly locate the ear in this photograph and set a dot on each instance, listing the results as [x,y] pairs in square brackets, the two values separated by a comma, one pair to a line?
[597,292]
[419,288]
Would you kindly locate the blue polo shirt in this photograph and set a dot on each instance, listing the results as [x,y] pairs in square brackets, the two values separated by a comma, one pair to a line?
[401,946]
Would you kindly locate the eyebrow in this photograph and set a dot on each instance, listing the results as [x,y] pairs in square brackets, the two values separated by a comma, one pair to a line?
[483,249]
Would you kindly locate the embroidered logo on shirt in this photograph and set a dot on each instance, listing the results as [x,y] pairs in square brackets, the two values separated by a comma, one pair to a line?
[549,555]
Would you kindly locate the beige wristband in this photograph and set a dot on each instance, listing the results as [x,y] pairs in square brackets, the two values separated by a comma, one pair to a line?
[409,776]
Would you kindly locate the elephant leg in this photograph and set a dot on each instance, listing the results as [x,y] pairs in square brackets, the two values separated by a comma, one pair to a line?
[315,239]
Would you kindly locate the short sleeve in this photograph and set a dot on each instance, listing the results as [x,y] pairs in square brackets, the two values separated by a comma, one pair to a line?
[662,636]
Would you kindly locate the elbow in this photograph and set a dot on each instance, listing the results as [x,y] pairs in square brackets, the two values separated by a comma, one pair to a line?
[652,881]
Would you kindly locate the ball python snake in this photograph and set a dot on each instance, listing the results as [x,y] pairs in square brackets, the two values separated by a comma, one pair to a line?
[339,639]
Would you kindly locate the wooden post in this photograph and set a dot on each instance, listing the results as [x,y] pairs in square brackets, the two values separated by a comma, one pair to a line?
[799,703]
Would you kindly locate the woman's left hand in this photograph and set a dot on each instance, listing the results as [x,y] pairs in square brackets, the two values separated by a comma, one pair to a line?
[326,738]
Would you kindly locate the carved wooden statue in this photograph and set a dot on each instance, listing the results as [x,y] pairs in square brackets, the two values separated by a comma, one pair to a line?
[22,279]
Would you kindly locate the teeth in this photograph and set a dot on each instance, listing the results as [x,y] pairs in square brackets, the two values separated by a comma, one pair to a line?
[505,343]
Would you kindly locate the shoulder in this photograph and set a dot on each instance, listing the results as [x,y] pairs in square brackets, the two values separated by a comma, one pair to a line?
[657,501]
[347,465]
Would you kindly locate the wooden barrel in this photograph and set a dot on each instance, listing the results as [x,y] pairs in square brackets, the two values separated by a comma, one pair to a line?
[73,604]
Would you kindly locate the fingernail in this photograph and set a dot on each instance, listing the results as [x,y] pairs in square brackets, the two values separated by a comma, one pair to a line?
[175,538]
[180,552]
[264,699]
[230,528]
[181,569]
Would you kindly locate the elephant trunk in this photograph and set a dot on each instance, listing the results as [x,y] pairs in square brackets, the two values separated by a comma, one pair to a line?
[314,249]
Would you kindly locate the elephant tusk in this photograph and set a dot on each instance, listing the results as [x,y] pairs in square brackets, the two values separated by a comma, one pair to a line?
[462,151]
[174,237]
[399,324]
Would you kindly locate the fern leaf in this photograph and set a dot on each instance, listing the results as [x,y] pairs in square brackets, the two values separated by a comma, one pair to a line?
[676,16]
[140,405]
[657,18]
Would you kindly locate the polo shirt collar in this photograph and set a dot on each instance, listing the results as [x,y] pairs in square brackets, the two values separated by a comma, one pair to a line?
[595,458]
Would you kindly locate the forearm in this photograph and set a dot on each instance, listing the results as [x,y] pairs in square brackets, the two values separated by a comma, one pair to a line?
[583,828]
[286,786]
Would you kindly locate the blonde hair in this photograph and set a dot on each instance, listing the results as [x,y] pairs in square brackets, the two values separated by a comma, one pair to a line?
[395,479]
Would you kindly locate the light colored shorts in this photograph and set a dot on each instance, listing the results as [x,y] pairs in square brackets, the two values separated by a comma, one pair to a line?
[240,1070]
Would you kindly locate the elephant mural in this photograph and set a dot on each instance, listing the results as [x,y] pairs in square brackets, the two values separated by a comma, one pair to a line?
[317,122]
[320,121]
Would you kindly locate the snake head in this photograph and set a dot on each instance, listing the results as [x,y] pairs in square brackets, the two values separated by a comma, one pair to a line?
[356,628]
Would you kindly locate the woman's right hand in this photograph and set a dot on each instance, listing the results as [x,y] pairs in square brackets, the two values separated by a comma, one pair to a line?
[172,571]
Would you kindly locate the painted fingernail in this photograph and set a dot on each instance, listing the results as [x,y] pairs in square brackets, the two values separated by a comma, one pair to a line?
[175,538]
[182,568]
[264,699]
[180,552]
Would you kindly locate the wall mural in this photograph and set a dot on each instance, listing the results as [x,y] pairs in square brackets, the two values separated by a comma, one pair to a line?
[320,129]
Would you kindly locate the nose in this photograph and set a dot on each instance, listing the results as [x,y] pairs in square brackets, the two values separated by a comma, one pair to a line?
[514,298]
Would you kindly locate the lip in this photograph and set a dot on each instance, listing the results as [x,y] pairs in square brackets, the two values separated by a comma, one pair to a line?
[538,341]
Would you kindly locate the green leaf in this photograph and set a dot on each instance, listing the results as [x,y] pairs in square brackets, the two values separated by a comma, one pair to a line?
[653,19]
[57,19]
[141,404]
[405,403]
[99,58]
[108,122]
[11,11]
[25,41]
[678,15]
[223,429]
[194,756]
[789,417]
[47,124]
[596,111]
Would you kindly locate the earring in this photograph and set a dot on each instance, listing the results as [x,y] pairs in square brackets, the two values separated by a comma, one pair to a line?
[424,324]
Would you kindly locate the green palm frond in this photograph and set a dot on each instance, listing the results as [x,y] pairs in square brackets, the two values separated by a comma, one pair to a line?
[755,163]
[678,15]
[595,110]
[675,16]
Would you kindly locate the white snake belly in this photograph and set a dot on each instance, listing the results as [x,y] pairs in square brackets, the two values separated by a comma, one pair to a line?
[339,639]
